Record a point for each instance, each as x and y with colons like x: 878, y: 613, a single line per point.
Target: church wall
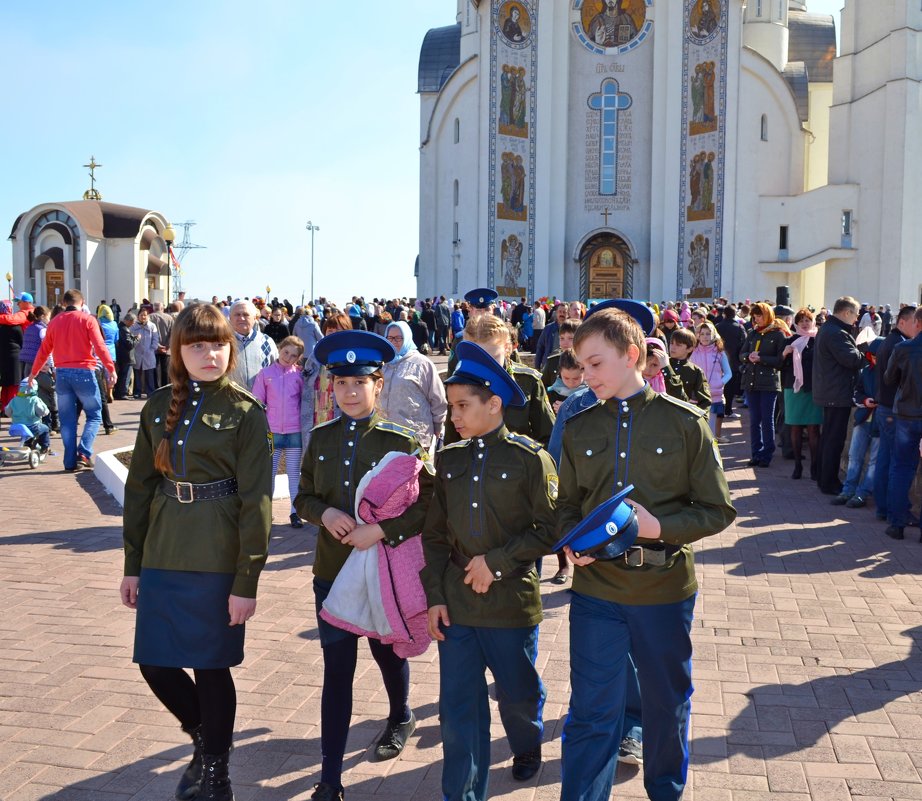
x: 629, y: 76
x: 817, y: 145
x: 442, y: 162
x: 764, y: 168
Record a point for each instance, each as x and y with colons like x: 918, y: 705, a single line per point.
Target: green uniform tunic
x: 494, y: 495
x: 223, y: 433
x: 694, y: 382
x: 535, y: 419
x: 665, y: 449
x: 339, y: 455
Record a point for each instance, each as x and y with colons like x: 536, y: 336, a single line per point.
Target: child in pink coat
x: 279, y: 387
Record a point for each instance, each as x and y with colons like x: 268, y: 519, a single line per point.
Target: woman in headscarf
x: 413, y: 393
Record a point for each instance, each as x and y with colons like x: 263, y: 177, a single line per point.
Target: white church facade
x: 662, y: 149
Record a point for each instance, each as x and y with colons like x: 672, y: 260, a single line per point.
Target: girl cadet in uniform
x: 642, y: 602
x: 339, y: 455
x: 491, y: 516
x: 198, y: 508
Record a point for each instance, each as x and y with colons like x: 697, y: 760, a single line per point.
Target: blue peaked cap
x: 481, y: 298
x: 606, y: 532
x: 639, y: 311
x: 477, y: 367
x: 354, y: 352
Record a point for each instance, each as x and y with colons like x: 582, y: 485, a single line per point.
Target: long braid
x: 180, y: 387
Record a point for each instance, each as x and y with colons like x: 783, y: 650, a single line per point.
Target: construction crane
x: 180, y: 249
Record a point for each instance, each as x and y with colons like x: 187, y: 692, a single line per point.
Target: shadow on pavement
x: 784, y: 719
x: 77, y: 540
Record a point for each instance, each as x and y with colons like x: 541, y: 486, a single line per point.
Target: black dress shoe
x: 840, y: 500
x: 526, y: 765
x: 395, y: 738
x: 327, y: 792
x: 894, y: 532
x: 752, y: 463
x: 295, y: 521
x: 798, y: 471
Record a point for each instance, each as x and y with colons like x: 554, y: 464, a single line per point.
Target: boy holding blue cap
x: 480, y: 578
x: 642, y: 601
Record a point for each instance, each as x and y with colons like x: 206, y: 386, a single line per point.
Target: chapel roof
x: 795, y: 73
x: 102, y: 220
x: 812, y: 40
x: 439, y: 56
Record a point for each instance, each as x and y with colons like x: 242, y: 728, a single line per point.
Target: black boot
x: 216, y: 784
x: 191, y: 780
x: 798, y: 469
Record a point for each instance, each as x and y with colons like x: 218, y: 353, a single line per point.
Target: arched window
x: 457, y: 192
x: 457, y: 130
x: 765, y: 127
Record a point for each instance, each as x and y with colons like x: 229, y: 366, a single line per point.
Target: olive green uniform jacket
x: 339, y: 455
x: 535, y: 419
x: 665, y: 449
x: 494, y: 495
x: 222, y: 433
x: 694, y: 382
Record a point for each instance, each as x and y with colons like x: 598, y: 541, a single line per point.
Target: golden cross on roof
x: 92, y: 193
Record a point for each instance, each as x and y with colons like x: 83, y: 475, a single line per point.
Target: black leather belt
x: 462, y: 561
x: 655, y: 555
x: 186, y: 492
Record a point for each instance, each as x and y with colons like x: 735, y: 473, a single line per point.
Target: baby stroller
x: 28, y: 452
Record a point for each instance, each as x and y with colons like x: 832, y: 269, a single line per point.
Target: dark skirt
x: 800, y: 410
x: 182, y: 621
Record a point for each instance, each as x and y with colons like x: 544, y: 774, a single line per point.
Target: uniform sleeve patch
x: 717, y: 455
x: 553, y: 485
x: 271, y: 442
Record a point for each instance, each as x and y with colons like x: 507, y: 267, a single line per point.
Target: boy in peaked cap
x: 639, y: 603
x: 491, y: 516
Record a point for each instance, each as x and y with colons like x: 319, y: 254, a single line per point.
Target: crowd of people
x: 604, y: 455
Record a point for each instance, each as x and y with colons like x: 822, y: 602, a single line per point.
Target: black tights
x: 210, y: 700
x: 797, y: 442
x: 339, y: 660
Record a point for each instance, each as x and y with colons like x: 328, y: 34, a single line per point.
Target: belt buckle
x: 633, y: 550
x: 182, y: 485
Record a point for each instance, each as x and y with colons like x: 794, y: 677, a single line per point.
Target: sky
x: 248, y: 119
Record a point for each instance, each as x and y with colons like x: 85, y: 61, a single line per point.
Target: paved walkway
x: 807, y: 681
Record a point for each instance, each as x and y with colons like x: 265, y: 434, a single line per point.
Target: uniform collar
x: 494, y: 437
x: 361, y: 425
x: 634, y: 403
x: 208, y: 387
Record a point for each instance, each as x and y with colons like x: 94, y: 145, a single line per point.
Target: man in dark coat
x: 836, y: 364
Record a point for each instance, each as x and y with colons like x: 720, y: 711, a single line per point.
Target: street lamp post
x: 169, y: 236
x: 311, y: 227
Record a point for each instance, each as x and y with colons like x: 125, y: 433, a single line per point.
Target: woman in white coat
x: 413, y: 393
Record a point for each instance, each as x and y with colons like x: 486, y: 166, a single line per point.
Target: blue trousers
x: 464, y: 709
x: 863, y: 444
x: 659, y: 639
x: 74, y: 384
x: 762, y: 424
x: 903, y: 464
x: 886, y: 425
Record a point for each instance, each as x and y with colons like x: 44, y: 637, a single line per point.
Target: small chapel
x: 105, y: 250
x: 661, y: 149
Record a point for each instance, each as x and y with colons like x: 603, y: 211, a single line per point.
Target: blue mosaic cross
x: 609, y: 101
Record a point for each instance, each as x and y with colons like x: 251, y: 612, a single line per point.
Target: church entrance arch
x: 606, y: 268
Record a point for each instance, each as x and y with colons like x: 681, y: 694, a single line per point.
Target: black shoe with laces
x: 526, y: 765
x: 395, y: 737
x: 190, y: 783
x: 327, y: 792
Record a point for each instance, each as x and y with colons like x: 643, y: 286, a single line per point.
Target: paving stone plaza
x: 807, y: 676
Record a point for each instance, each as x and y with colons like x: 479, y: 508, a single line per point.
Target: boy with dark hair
x: 642, y: 602
x: 565, y: 330
x: 569, y: 378
x: 693, y: 379
x: 491, y: 516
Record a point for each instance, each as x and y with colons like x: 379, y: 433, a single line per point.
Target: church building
x: 662, y: 149
x: 106, y: 250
